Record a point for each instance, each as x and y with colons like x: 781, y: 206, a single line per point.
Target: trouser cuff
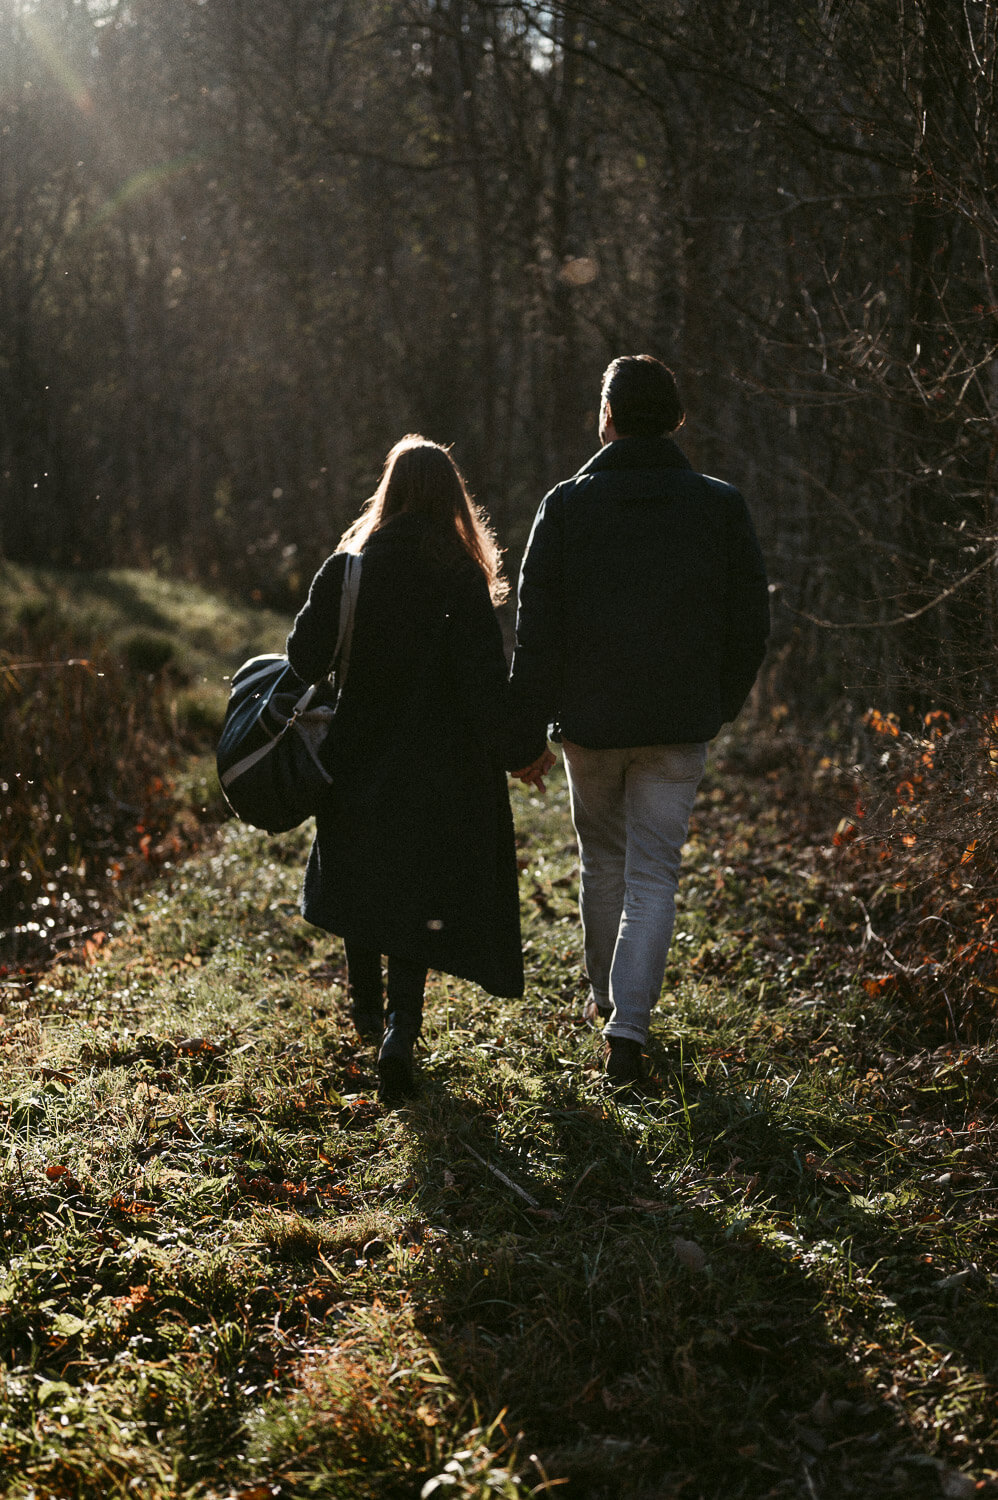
x: 622, y: 1029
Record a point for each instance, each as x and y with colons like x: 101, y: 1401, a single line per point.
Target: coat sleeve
x: 747, y: 613
x: 537, y: 658
x: 312, y: 640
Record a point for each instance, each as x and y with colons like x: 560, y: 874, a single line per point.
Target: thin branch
x: 904, y: 619
x: 507, y: 1181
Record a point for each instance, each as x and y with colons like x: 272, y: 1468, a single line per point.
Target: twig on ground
x: 507, y: 1181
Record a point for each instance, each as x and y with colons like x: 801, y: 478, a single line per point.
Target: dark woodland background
x: 244, y: 247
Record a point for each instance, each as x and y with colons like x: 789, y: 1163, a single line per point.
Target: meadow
x: 227, y: 1272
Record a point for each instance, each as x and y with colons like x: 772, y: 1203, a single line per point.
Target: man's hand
x: 533, y: 775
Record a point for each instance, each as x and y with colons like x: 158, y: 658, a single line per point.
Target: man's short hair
x: 641, y: 394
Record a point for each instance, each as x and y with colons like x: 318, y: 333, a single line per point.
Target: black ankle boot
x: 366, y: 992
x: 406, y: 981
x: 624, y: 1067
x: 395, y: 1072
x: 368, y: 1016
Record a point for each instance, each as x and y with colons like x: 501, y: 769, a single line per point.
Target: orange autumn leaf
x: 137, y: 1296
x: 56, y: 1172
x: 93, y: 945
x: 125, y: 1205
x: 882, y: 723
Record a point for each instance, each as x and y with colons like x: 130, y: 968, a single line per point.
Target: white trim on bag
x: 348, y: 605
x: 257, y: 672
x: 249, y: 761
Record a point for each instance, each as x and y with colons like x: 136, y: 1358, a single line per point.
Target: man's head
x: 639, y: 399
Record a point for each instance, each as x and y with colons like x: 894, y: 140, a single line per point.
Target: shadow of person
x: 599, y: 1272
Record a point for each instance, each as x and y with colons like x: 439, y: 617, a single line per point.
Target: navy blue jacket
x: 643, y: 605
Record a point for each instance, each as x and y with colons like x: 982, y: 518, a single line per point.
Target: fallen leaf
x: 68, y: 1325
x: 689, y: 1254
x: 821, y: 1412
x: 58, y: 1173
x: 123, y: 1205
x: 957, y: 1485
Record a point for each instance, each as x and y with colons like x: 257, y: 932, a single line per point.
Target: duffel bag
x: 268, y: 754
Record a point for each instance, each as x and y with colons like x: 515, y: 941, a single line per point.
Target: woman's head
x: 420, y: 478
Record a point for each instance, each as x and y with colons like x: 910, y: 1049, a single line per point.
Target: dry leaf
x: 123, y: 1205
x: 689, y: 1254
x: 821, y: 1413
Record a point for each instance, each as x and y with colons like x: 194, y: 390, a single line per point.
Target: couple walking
x: 641, y: 623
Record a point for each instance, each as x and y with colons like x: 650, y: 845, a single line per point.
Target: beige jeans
x: 631, y: 810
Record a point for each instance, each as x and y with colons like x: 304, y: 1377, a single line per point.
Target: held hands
x: 533, y: 775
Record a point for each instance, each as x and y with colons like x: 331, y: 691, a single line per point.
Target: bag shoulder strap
x: 348, y: 609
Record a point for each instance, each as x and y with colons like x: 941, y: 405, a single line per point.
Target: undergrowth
x: 109, y: 684
x: 918, y: 853
x: 227, y: 1271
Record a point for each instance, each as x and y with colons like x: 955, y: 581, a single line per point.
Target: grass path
x: 227, y: 1272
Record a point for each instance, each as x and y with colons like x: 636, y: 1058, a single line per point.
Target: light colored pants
x: 631, y: 810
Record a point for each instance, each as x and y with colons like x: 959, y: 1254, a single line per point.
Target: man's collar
x: 637, y: 453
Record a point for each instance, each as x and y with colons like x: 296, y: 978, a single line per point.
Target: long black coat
x: 414, y: 853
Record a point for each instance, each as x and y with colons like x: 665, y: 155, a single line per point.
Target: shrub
x: 146, y: 651
x: 86, y: 748
x: 921, y: 848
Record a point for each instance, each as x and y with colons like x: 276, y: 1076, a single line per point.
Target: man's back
x: 643, y: 602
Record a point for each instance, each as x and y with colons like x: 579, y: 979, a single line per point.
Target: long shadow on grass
x: 769, y: 1154
x: 648, y: 1344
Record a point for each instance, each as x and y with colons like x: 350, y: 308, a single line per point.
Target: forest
x: 243, y: 248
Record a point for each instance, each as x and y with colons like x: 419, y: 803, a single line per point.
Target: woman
x: 414, y: 856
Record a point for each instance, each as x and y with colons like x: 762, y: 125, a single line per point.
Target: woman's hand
x: 533, y: 775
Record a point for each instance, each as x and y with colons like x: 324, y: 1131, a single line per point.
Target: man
x: 642, y: 622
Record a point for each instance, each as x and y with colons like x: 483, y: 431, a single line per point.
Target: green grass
x: 227, y: 1271
x: 140, y: 618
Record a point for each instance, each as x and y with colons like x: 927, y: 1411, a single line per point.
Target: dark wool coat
x: 643, y: 609
x: 414, y: 853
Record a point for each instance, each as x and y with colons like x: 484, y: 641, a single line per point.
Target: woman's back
x: 426, y: 645
x: 414, y: 854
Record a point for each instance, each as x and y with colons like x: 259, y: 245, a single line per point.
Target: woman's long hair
x: 422, y: 479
